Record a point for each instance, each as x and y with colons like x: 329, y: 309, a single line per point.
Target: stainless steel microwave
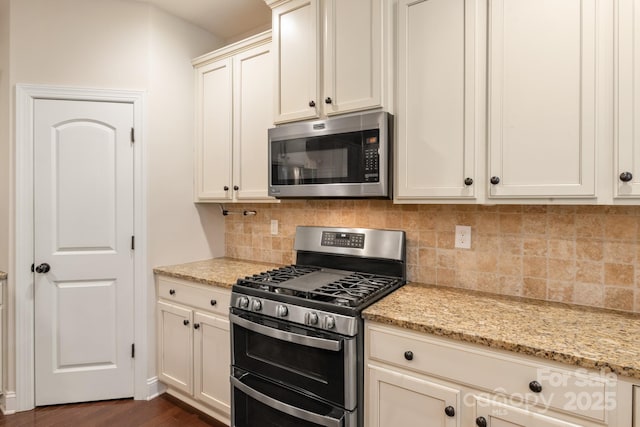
x: 340, y: 157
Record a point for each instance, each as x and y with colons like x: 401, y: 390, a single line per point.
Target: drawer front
x: 574, y: 391
x: 204, y: 297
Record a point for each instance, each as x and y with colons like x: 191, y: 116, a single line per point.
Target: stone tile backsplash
x: 578, y: 254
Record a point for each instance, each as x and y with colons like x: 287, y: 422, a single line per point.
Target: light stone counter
x: 581, y: 336
x: 3, y: 275
x: 221, y: 272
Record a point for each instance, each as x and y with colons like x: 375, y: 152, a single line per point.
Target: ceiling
x: 226, y: 19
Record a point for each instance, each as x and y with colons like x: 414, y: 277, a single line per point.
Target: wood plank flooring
x: 163, y: 411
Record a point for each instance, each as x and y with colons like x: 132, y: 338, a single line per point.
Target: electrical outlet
x: 274, y: 227
x: 463, y: 237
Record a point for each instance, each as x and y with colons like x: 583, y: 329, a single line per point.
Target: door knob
x: 43, y: 268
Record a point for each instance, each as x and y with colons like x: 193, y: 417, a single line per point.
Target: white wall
x: 119, y: 44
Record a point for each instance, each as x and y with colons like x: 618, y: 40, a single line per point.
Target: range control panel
x: 343, y: 240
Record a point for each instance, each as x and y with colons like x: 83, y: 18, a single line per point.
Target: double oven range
x: 297, y: 332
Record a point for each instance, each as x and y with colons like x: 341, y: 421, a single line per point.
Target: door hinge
x: 133, y: 243
x: 133, y: 351
x: 133, y: 135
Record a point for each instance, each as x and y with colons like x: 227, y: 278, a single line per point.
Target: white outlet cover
x: 463, y: 237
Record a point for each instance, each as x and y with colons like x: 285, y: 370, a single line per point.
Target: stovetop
x: 325, y: 285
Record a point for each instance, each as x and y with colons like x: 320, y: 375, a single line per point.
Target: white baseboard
x: 154, y: 388
x: 8, y: 403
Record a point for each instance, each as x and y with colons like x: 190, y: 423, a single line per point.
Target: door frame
x: 24, y: 337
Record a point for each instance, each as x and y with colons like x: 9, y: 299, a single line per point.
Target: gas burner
x: 265, y: 281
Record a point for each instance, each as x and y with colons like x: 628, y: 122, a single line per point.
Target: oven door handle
x: 332, y: 345
x: 284, y: 407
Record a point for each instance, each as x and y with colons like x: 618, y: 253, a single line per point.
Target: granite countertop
x: 221, y: 272
x: 587, y: 337
x: 3, y: 275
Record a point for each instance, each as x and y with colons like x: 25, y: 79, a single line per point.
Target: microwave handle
x: 285, y: 408
x: 332, y: 345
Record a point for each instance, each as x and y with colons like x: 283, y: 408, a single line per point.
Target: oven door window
x: 333, y: 159
x: 259, y: 402
x: 317, y: 371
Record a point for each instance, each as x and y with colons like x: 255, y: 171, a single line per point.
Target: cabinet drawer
x: 578, y: 391
x: 204, y: 297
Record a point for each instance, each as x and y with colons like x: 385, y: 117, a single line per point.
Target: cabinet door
x: 214, y: 115
x: 212, y: 360
x: 253, y: 115
x: 500, y: 415
x: 296, y: 55
x: 353, y: 55
x: 628, y: 99
x: 397, y: 399
x: 175, y: 352
x: 437, y: 89
x: 542, y: 98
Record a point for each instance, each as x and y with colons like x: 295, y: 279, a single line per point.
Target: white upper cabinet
x: 331, y: 57
x: 296, y: 49
x: 234, y: 96
x: 543, y: 100
x: 440, y: 45
x: 627, y: 136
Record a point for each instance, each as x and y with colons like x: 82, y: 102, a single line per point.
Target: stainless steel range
x: 297, y: 331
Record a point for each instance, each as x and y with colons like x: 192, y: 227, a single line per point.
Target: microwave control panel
x: 371, y: 159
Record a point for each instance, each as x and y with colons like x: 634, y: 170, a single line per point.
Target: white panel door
x: 83, y: 204
x: 627, y: 171
x: 296, y: 52
x: 253, y: 116
x: 542, y: 98
x: 353, y: 55
x: 396, y: 399
x: 437, y: 99
x: 212, y: 354
x: 214, y: 134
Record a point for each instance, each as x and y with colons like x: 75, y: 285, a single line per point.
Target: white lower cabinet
x: 194, y: 345
x: 492, y: 413
x: 415, y: 379
x: 400, y: 399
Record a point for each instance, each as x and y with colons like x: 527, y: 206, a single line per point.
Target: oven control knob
x: 329, y: 322
x: 311, y: 318
x: 243, y: 302
x: 282, y: 311
x: 256, y: 305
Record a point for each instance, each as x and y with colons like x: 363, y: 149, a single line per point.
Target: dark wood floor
x: 163, y: 411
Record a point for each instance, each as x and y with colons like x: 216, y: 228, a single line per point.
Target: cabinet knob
x: 535, y: 386
x: 481, y: 422
x: 213, y: 302
x: 236, y: 188
x: 328, y: 100
x: 626, y: 176
x: 196, y: 326
x: 172, y: 291
x: 450, y: 411
x: 495, y: 180
x: 185, y: 322
x: 408, y: 355
x: 312, y: 103
x: 225, y: 188
x: 468, y: 181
